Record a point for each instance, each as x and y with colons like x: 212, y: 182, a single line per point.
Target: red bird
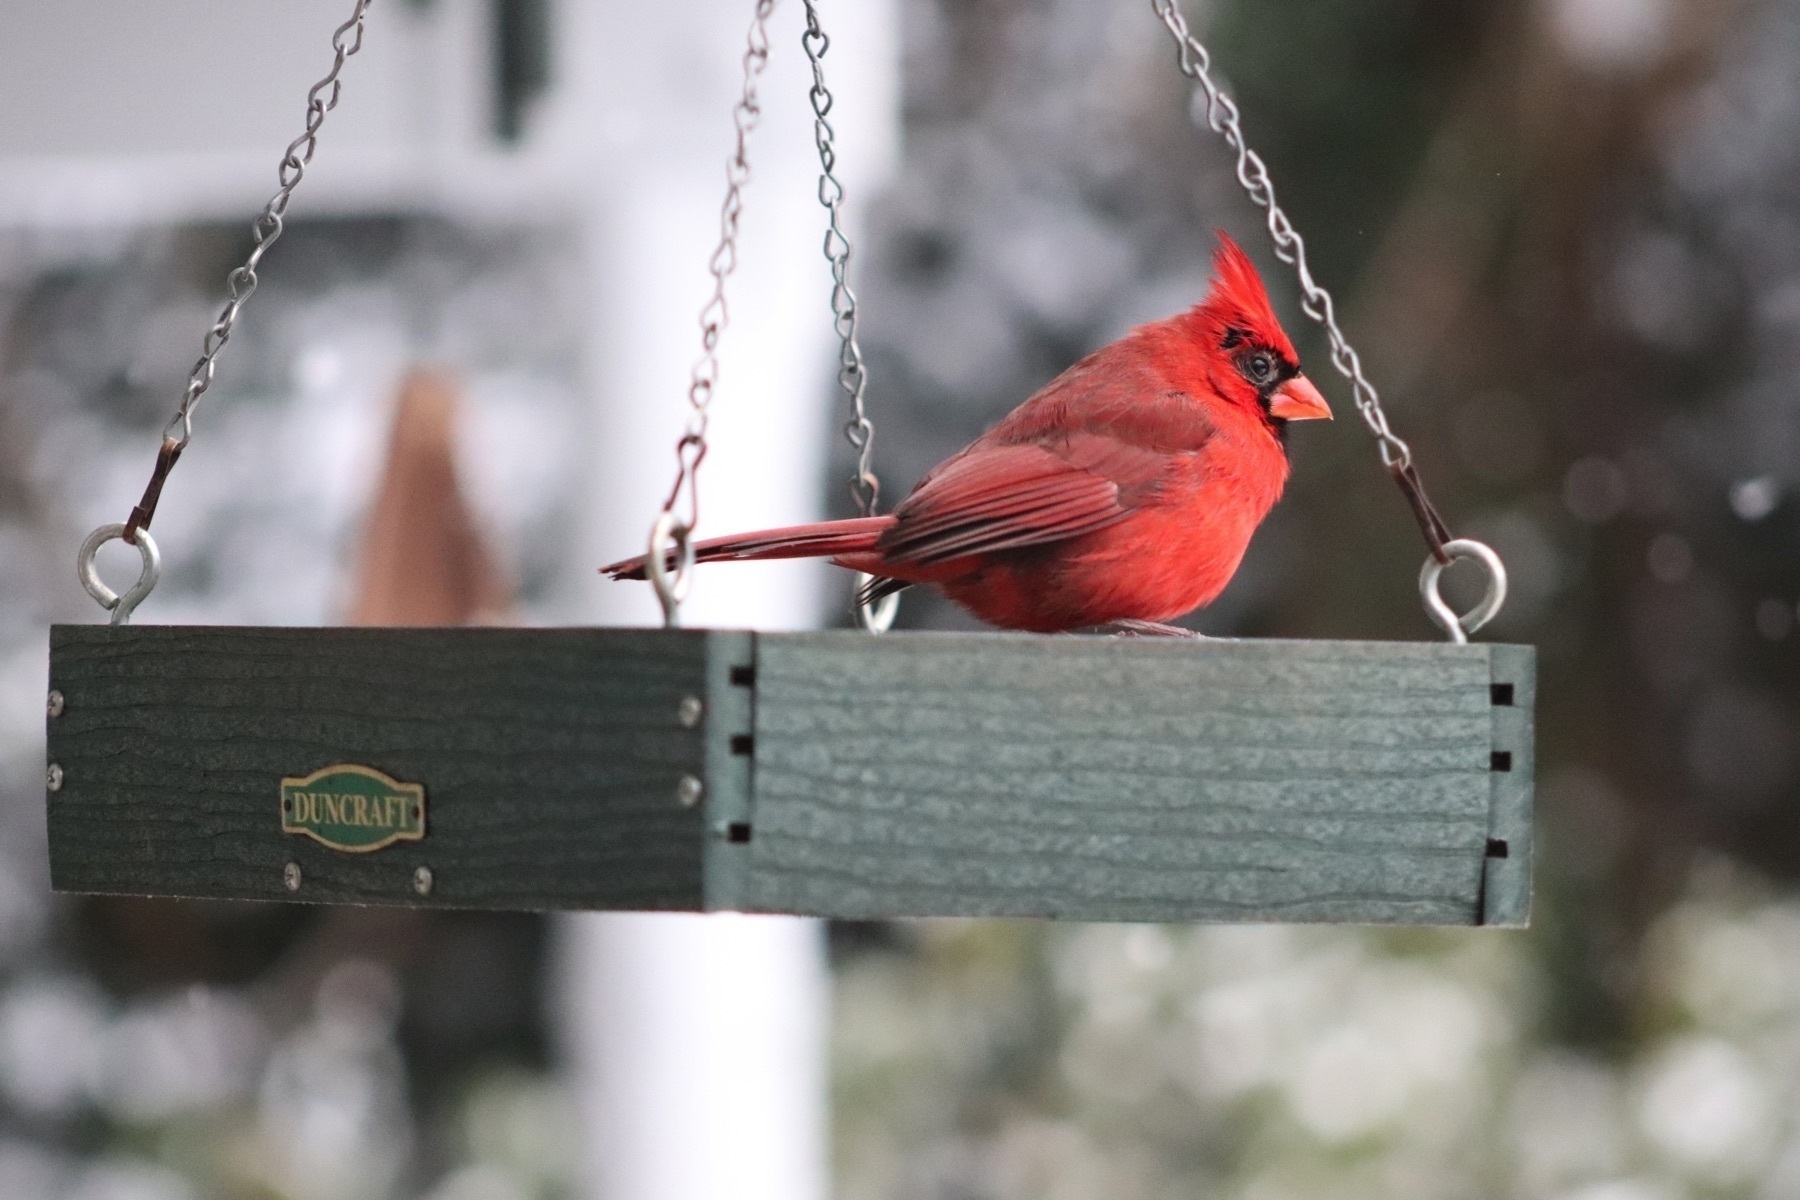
x: 1122, y: 494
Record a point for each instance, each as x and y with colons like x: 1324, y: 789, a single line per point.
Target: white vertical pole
x: 696, y: 1044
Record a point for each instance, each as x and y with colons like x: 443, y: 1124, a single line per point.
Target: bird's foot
x: 1130, y: 628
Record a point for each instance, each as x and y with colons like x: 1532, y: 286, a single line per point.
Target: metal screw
x: 55, y: 705
x: 53, y: 778
x: 689, y: 791
x: 290, y: 877
x: 422, y: 881
x: 690, y: 711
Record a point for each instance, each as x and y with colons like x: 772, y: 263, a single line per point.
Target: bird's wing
x: 999, y: 498
x: 1127, y: 399
x: 1094, y: 444
x: 995, y: 498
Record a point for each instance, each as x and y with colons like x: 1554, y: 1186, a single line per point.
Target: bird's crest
x: 1239, y: 303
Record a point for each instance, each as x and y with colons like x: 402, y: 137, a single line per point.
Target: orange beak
x: 1299, y: 400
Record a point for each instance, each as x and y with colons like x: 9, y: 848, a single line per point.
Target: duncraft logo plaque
x: 352, y: 808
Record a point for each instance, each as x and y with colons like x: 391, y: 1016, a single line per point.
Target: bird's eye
x: 1260, y: 368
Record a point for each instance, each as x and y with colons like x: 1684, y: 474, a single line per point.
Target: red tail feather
x: 826, y: 539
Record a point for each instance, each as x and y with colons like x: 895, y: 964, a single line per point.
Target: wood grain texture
x: 1108, y: 779
x: 549, y: 758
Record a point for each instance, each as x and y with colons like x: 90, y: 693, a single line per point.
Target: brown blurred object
x: 423, y: 561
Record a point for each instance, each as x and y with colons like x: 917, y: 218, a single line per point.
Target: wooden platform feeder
x: 834, y: 774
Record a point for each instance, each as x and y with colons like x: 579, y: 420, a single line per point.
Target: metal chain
x: 670, y: 535
x: 1221, y: 114
x: 267, y: 228
x: 323, y: 96
x: 1290, y: 247
x: 865, y: 486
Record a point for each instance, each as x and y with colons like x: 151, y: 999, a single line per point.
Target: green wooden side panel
x: 840, y: 774
x: 550, y: 760
x: 1111, y: 779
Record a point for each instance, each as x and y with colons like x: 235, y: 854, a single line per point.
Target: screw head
x: 690, y: 712
x: 290, y: 877
x: 689, y: 791
x: 53, y: 778
x: 422, y: 880
x: 54, y: 706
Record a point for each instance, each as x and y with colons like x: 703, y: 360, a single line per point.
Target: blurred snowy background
x: 1566, y: 237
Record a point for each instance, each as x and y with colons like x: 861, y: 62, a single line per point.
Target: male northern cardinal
x: 1122, y: 494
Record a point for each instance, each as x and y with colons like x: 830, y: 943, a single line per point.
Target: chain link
x: 321, y: 99
x: 670, y: 535
x: 853, y: 378
x: 1221, y: 114
x: 865, y: 486
x: 266, y: 229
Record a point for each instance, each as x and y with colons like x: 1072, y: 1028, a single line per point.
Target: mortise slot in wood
x: 1501, y: 760
x: 1501, y: 694
x: 743, y: 743
x: 743, y: 676
x: 738, y: 832
x: 1497, y: 848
